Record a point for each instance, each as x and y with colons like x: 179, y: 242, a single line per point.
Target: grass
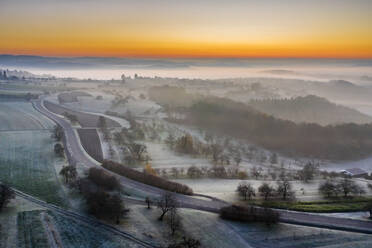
x: 327, y: 206
x: 18, y: 115
x: 27, y: 163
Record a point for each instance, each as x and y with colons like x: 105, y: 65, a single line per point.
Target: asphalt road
x: 77, y: 154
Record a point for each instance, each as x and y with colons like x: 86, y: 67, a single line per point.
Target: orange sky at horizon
x: 208, y: 29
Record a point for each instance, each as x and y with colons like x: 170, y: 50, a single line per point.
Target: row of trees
x: 345, y: 187
x: 250, y: 214
x: 265, y: 190
x: 147, y: 178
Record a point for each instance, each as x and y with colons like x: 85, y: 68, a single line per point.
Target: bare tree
x: 285, y: 189
x: 174, y: 220
x: 328, y: 188
x: 216, y: 150
x: 266, y: 190
x: 137, y: 150
x: 256, y: 172
x: 348, y: 186
x: 238, y: 158
x: 148, y: 202
x: 166, y: 203
x: 246, y: 190
x: 308, y: 171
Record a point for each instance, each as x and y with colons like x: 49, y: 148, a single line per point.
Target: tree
x: 285, y: 189
x: 274, y: 158
x: 348, y: 186
x: 104, y: 205
x: 102, y: 122
x: 194, y: 172
x: 256, y: 172
x: 175, y: 172
x: 185, y: 144
x: 149, y: 170
x: 237, y: 158
x: 166, y: 203
x: 174, y: 220
x: 6, y: 194
x: 102, y: 179
x: 266, y: 190
x: 137, y: 150
x: 57, y: 133
x: 216, y: 150
x: 148, y: 202
x: 246, y: 190
x: 170, y: 141
x: 59, y: 150
x: 308, y: 171
x: 328, y: 188
x: 69, y: 173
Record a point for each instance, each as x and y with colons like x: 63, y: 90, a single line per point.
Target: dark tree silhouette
x: 166, y: 203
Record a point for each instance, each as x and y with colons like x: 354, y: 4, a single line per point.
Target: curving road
x: 77, y: 155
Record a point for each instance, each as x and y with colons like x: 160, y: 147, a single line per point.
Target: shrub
x: 102, y: 179
x: 249, y: 214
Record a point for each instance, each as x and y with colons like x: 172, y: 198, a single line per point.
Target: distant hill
x: 6, y: 73
x: 310, y: 109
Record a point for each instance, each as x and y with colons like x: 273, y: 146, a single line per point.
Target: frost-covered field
x: 225, y: 188
x: 285, y: 235
x: 163, y: 158
x: 27, y: 162
x: 22, y: 116
x: 215, y: 232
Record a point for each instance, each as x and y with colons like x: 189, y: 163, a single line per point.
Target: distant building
x: 355, y: 172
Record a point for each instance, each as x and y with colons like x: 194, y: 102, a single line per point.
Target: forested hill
x: 335, y: 142
x: 310, y: 109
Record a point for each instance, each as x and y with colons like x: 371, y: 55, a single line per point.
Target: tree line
x: 146, y: 178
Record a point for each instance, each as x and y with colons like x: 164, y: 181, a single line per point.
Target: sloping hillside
x: 310, y: 109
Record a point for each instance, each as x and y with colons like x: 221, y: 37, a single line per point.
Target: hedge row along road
x: 77, y: 155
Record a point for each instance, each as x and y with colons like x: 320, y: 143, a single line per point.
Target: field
x: 19, y: 115
x: 285, y: 236
x: 90, y: 141
x: 84, y: 119
x: 31, y: 232
x: 215, y: 232
x: 76, y: 234
x: 71, y: 96
x: 27, y: 162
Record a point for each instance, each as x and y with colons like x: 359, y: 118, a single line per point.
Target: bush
x: 249, y: 214
x: 102, y: 179
x: 146, y: 178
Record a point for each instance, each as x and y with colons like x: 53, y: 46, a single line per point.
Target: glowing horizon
x: 192, y: 29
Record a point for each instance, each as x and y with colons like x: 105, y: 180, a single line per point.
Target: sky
x: 187, y: 29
